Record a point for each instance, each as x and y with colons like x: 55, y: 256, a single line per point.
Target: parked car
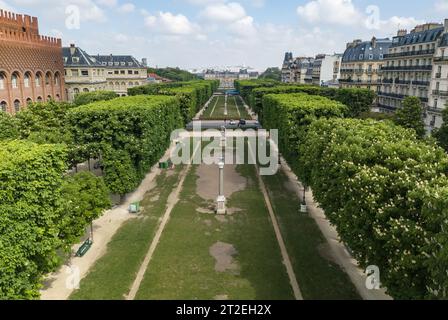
x: 232, y: 122
x: 242, y: 122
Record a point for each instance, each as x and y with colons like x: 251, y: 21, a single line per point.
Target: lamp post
x: 221, y: 200
x: 303, y: 205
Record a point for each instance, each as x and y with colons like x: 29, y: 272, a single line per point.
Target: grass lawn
x: 235, y: 109
x: 183, y: 268
x: 318, y: 277
x: 112, y: 275
x: 243, y: 111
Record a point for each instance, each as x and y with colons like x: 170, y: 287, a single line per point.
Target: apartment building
x: 361, y: 63
x: 408, y: 67
x: 326, y: 69
x: 438, y: 91
x: 297, y: 70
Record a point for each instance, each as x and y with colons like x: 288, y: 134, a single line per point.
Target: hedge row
x: 292, y: 113
x: 41, y: 213
x: 386, y: 192
x: 130, y: 134
x: 245, y: 87
x: 89, y: 97
x: 192, y: 95
x: 357, y: 100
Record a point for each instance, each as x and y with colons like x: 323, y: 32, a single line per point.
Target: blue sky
x: 203, y: 33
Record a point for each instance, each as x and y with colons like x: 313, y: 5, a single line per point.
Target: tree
x: 441, y: 134
x: 272, y: 73
x: 410, y: 116
x: 84, y: 198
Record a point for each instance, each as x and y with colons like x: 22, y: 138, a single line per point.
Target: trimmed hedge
x: 137, y: 128
x: 31, y: 176
x: 192, y: 95
x: 385, y: 191
x: 357, y: 100
x: 245, y: 87
x: 292, y: 113
x: 89, y: 97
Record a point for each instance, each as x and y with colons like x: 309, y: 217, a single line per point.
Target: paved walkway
x: 59, y: 285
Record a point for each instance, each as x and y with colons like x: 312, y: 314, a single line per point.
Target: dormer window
x: 123, y: 64
x: 111, y: 64
x: 130, y: 64
x: 361, y: 56
x: 75, y: 60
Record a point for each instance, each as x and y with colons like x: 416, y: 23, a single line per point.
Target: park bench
x: 84, y: 248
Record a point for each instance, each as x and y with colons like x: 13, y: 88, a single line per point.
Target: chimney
x: 374, y: 42
x: 145, y: 62
x: 72, y: 48
x: 402, y: 32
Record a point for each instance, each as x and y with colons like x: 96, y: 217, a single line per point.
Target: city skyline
x: 199, y: 33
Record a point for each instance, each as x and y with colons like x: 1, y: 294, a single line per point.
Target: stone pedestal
x: 221, y: 200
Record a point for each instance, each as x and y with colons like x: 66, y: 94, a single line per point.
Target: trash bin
x: 134, y: 207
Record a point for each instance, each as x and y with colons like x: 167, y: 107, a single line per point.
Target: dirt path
x: 58, y: 285
x: 342, y: 256
x: 171, y: 202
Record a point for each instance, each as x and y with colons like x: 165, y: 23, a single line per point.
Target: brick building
x: 31, y: 65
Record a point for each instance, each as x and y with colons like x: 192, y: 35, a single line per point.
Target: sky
x: 205, y: 33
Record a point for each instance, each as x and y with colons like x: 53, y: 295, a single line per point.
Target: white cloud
x: 127, y: 8
x: 224, y: 12
x: 107, y: 3
x: 441, y: 5
x: 171, y: 24
x: 330, y: 11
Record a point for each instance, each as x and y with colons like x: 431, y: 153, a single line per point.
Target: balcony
x: 409, y: 53
x: 399, y: 96
x: 438, y: 75
x: 407, y: 68
x: 387, y: 81
x: 440, y: 59
x: 440, y: 93
x: 434, y: 110
x: 398, y: 81
x: 421, y: 83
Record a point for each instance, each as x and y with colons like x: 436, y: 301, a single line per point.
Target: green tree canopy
x: 411, y: 116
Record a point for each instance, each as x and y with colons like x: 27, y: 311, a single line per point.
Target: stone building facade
x: 31, y: 65
x: 362, y: 62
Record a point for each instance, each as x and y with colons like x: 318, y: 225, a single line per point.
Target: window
x: 26, y: 80
x: 135, y: 72
x: 47, y: 79
x: 130, y: 64
x: 129, y: 71
x: 104, y: 63
x: 85, y: 90
x: 56, y: 79
x: 17, y: 105
x: 111, y: 64
x: 38, y: 80
x: 116, y: 72
x: 3, y: 106
x: 381, y: 56
x: 39, y: 99
x: 2, y: 82
x: 361, y: 56
x: 49, y: 98
x: 14, y: 81
x: 29, y: 101
x: 75, y: 60
x: 117, y: 63
x: 76, y: 90
x: 123, y: 64
x: 370, y: 56
x: 85, y: 73
x: 122, y: 72
x: 75, y: 72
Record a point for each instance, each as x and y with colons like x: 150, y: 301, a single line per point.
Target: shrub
x: 373, y: 181
x: 245, y: 87
x: 292, y: 113
x: 30, y: 211
x: 357, y: 100
x: 9, y: 127
x: 139, y: 126
x: 89, y: 97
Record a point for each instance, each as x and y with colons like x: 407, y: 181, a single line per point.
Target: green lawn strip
x: 243, y: 110
x: 112, y: 275
x: 318, y: 276
x: 209, y: 110
x: 183, y: 268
